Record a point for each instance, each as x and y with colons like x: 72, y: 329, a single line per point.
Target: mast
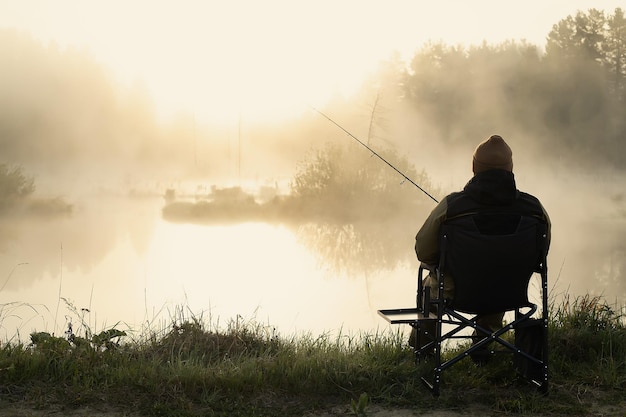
x: 239, y: 148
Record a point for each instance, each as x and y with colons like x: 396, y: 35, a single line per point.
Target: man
x: 493, y: 185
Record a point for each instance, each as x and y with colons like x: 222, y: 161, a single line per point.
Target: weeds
x: 589, y: 335
x: 591, y: 313
x: 192, y: 367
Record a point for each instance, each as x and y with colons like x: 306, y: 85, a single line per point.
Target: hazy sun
x: 222, y: 61
x: 267, y: 60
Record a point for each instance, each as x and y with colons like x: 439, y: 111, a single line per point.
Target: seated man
x: 493, y: 185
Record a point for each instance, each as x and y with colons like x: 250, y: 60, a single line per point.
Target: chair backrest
x: 491, y: 258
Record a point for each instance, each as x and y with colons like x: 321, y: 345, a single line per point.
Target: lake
x: 115, y: 262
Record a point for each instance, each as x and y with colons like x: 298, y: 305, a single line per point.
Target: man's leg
x: 493, y: 322
x: 427, y: 328
x: 426, y: 335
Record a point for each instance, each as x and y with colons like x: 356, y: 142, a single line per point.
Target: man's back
x: 491, y: 257
x: 488, y: 190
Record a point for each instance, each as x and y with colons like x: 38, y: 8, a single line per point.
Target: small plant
x: 105, y: 339
x: 358, y: 407
x: 51, y: 345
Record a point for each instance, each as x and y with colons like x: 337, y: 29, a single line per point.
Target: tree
x: 579, y: 37
x: 595, y: 38
x: 615, y: 53
x: 357, y: 209
x: 14, y: 186
x: 437, y: 89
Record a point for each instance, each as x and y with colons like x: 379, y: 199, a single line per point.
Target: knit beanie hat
x: 492, y: 153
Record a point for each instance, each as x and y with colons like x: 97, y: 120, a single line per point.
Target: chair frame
x: 443, y: 312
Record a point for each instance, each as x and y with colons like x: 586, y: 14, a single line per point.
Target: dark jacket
x: 489, y: 190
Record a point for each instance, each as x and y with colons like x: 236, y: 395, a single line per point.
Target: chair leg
x: 422, y: 339
x: 434, y: 385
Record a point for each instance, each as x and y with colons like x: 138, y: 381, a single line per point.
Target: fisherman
x: 492, y: 185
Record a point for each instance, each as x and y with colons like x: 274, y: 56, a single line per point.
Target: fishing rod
x: 375, y: 154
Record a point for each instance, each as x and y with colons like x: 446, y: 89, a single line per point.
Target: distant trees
x: 570, y: 98
x: 468, y: 92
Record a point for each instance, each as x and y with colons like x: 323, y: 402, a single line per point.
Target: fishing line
x: 375, y: 154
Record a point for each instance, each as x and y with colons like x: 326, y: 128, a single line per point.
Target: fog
x: 102, y: 161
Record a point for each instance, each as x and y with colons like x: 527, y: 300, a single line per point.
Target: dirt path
x: 29, y: 411
x: 381, y: 412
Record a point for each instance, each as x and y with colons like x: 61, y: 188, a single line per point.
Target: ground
x: 22, y: 411
x: 29, y: 410
x: 17, y: 411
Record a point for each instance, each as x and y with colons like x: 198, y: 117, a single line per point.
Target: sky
x: 269, y: 59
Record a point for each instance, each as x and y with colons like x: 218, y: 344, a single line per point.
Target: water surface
x: 116, y: 262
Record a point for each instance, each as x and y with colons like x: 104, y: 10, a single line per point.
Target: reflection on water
x: 115, y: 262
x: 359, y: 248
x: 348, y: 234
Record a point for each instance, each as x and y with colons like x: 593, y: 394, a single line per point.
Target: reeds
x: 193, y: 367
x: 588, y: 336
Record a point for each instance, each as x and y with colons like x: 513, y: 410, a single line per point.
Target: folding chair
x: 491, y: 258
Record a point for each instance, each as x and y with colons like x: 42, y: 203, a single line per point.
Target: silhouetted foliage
x: 14, y: 186
x: 348, y: 178
x: 360, y: 206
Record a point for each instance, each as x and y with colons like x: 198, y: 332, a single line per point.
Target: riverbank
x: 190, y: 370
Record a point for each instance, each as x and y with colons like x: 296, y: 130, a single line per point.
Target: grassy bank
x: 245, y: 369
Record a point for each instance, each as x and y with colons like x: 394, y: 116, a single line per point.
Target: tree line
x: 570, y: 96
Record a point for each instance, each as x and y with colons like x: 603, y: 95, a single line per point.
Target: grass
x: 192, y: 368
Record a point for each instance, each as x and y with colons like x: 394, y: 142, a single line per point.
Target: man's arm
x: 427, y: 239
